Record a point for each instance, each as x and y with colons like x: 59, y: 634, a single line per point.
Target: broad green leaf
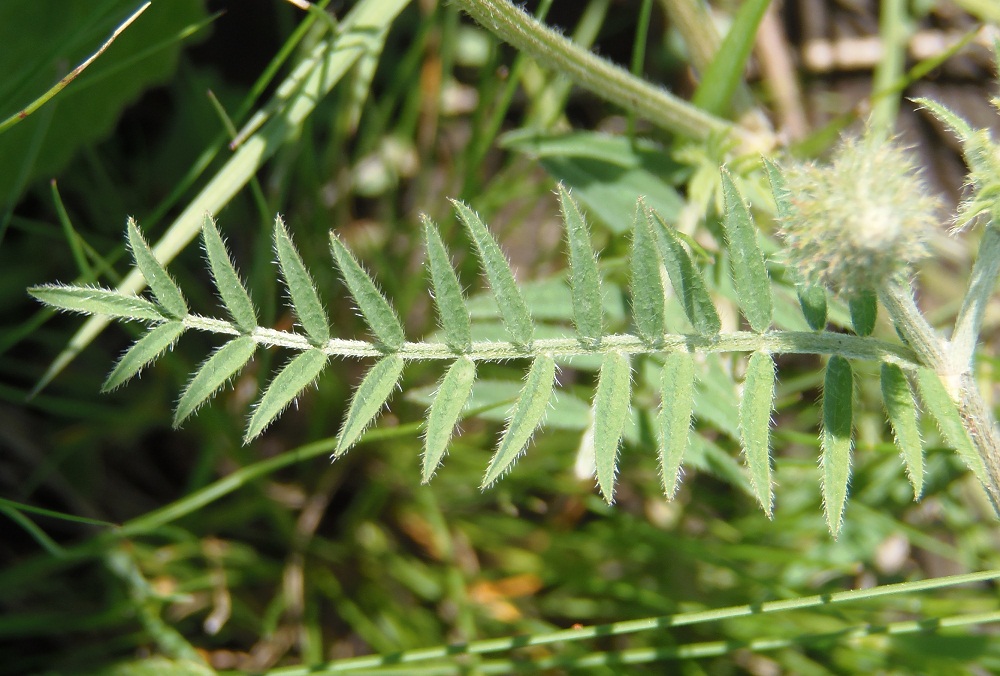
x: 812, y: 300
x: 755, y: 426
x: 374, y: 307
x: 689, y: 285
x: 213, y: 373
x: 370, y: 397
x: 864, y: 311
x: 164, y: 289
x: 838, y: 420
x: 527, y: 415
x: 611, y: 410
x: 234, y: 295
x: 295, y: 376
x: 305, y: 299
x: 448, y: 296
x: 779, y: 189
x: 949, y: 420
x: 144, y: 351
x: 452, y: 395
x: 753, y: 288
x: 674, y: 421
x: 902, y: 413
x: 646, y: 283
x: 585, y: 280
x: 93, y: 300
x: 508, y: 297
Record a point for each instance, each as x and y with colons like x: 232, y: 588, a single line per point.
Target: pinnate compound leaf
x: 753, y: 288
x: 215, y: 372
x: 448, y: 296
x: 864, y: 311
x: 92, y: 300
x: 949, y: 420
x: 374, y: 307
x: 527, y: 415
x: 585, y: 280
x: 689, y: 285
x: 755, y: 426
x: 611, y: 410
x: 647, y: 285
x: 674, y: 421
x: 452, y: 395
x: 295, y: 376
x: 812, y: 300
x: 234, y: 295
x: 370, y: 397
x: 305, y: 299
x: 838, y: 420
x: 144, y: 351
x: 508, y: 296
x: 164, y: 289
x: 902, y: 413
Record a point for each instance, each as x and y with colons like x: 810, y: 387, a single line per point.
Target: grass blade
x: 374, y: 307
x: 585, y: 280
x: 674, y: 421
x: 305, y: 299
x: 448, y: 298
x: 949, y: 420
x: 300, y: 372
x: 688, y: 283
x: 526, y: 416
x: 213, y: 373
x: 450, y: 399
x: 611, y: 409
x: 370, y: 397
x: 647, y: 285
x: 753, y: 288
x: 145, y: 350
x: 755, y: 426
x: 94, y: 300
x: 234, y: 295
x: 164, y: 289
x: 902, y: 413
x: 513, y: 309
x: 864, y: 312
x: 838, y: 420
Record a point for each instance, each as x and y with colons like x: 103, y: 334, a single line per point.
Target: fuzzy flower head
x: 859, y: 221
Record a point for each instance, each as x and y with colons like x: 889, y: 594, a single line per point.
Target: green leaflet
x: 689, y: 285
x: 956, y: 123
x: 779, y: 189
x: 611, y: 410
x: 753, y: 288
x: 213, y: 373
x: 377, y: 312
x: 902, y: 413
x: 295, y: 376
x: 812, y: 300
x: 864, y: 311
x: 368, y: 400
x: 234, y: 295
x: 513, y: 309
x: 949, y: 420
x: 647, y: 285
x: 450, y: 399
x: 144, y: 351
x: 526, y: 416
x: 755, y: 426
x: 305, y: 300
x: 94, y: 300
x: 674, y: 421
x: 448, y: 298
x: 163, y: 287
x: 585, y: 280
x: 838, y: 419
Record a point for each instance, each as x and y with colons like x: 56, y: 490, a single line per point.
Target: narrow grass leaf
x: 838, y: 420
x: 527, y: 415
x: 864, y: 311
x: 92, y: 300
x: 674, y: 421
x: 291, y: 380
x: 647, y: 285
x: 508, y: 296
x: 213, y: 373
x: 949, y: 420
x: 812, y: 300
x: 779, y: 189
x: 305, y: 299
x: 145, y: 350
x: 164, y: 289
x: 374, y: 307
x: 585, y: 280
x: 612, y: 403
x: 753, y: 288
x: 902, y: 413
x: 688, y: 283
x: 450, y: 399
x: 448, y: 298
x: 755, y: 426
x: 370, y: 397
x: 234, y: 295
